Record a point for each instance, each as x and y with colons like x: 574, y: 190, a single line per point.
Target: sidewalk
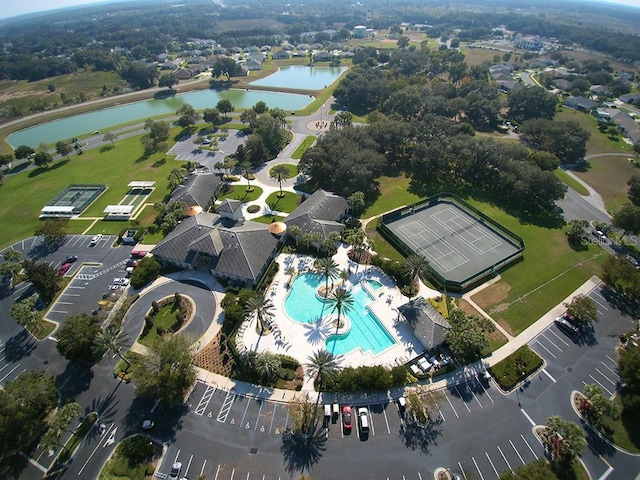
x: 285, y: 396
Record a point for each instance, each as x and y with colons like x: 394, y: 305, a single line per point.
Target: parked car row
x: 332, y: 412
x: 67, y: 264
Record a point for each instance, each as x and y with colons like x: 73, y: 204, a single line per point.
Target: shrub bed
x: 516, y: 367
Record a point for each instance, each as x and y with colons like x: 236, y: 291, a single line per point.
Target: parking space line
x: 204, y: 464
x: 557, y: 336
x: 526, y: 415
x: 605, y: 388
x: 204, y: 401
x: 177, y: 455
x: 551, y: 342
x: 463, y: 402
x: 259, y: 412
x: 475, y: 396
x: 439, y: 411
x: 525, y: 441
x: 548, y: 375
x: 612, y: 360
x: 217, y: 472
x: 609, y: 368
x: 273, y: 417
x: 10, y: 372
x: 474, y: 462
x: 504, y: 458
x: 601, y: 304
x: 538, y: 342
x: 373, y: 430
x: 386, y: 420
x: 517, y: 452
x: 186, y: 470
x: 492, y: 465
x: 245, y: 412
x: 451, y: 404
x: 462, y: 470
x: 486, y: 391
x: 612, y: 382
x: 226, y: 406
x: 233, y: 472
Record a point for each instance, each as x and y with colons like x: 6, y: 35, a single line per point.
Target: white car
x: 121, y: 281
x: 94, y: 240
x: 176, y: 468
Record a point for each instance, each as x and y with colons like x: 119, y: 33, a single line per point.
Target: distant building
x: 359, y: 31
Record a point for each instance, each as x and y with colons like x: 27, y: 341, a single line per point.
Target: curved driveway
x: 202, y: 296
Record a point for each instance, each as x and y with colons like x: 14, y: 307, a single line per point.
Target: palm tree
x: 279, y: 173
x: 261, y: 307
x: 112, y: 338
x: 323, y: 365
x: 295, y: 231
x: 328, y: 269
x: 357, y: 239
x: 330, y: 242
x: 290, y: 272
x: 267, y: 365
x: 246, y: 170
x: 417, y: 265
x: 342, y: 301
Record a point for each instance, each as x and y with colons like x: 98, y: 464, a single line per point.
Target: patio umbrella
x: 277, y: 228
x: 193, y: 210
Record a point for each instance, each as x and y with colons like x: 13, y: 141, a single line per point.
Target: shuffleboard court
x: 461, y: 246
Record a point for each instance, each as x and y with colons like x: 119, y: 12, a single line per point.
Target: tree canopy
x: 44, y: 278
x: 77, y: 337
x: 24, y: 405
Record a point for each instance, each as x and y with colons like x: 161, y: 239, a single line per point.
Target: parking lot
x: 91, y: 275
x: 215, y: 411
x: 186, y: 150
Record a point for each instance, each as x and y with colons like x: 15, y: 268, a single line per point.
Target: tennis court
x: 135, y: 197
x: 72, y: 201
x: 459, y: 245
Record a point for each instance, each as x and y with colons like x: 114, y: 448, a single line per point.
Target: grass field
x: 550, y: 270
x: 570, y: 181
x: 239, y: 192
x: 598, y: 142
x: 306, y: 143
x: 293, y: 170
x: 288, y: 203
x: 114, y: 167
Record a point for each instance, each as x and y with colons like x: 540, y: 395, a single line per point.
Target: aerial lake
x: 302, y: 77
x: 77, y: 125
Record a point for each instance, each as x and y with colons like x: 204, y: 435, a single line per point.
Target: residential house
x: 323, y: 57
x: 580, y: 103
x: 562, y: 84
x: 321, y: 213
x: 281, y: 55
x: 630, y: 98
x: 184, y: 74
x: 429, y: 327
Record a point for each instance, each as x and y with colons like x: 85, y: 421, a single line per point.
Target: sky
x: 11, y: 8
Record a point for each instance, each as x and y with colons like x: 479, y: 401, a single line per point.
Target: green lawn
x: 625, y: 432
x: 306, y: 143
x: 165, y: 319
x: 293, y: 170
x: 268, y: 219
x: 515, y: 368
x: 114, y: 167
x: 598, y: 142
x: 77, y: 437
x: 551, y: 270
x: 288, y: 203
x: 393, y: 194
x: 570, y: 181
x: 239, y: 192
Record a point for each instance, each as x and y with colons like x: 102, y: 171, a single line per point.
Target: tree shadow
x: 421, y: 437
x: 627, y: 305
x: 164, y: 94
x: 596, y: 443
x: 167, y: 420
x: 52, y: 166
x: 107, y: 148
x: 19, y: 346
x: 82, y: 375
x: 302, y: 451
x: 217, y: 84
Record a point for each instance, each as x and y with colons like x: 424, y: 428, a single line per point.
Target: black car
x: 568, y: 326
x: 71, y: 259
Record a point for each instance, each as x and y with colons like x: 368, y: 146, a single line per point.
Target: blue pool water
x: 374, y: 284
x: 303, y: 306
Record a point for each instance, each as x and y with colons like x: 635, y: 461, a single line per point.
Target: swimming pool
x: 366, y: 332
x: 374, y: 284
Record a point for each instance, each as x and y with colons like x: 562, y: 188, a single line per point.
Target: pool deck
x: 300, y: 340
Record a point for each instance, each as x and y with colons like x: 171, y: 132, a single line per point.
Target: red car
x: 347, y: 421
x: 64, y: 269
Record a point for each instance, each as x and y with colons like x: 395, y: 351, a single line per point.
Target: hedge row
x: 516, y: 367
